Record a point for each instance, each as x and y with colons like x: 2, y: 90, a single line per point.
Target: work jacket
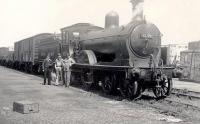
x: 47, y: 63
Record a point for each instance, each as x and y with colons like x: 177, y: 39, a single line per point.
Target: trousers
x: 67, y: 76
x: 47, y: 75
x: 58, y: 74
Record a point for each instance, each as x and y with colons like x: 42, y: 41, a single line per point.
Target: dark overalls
x: 47, y: 64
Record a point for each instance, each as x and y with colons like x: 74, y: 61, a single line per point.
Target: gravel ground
x: 59, y: 105
x: 174, y: 106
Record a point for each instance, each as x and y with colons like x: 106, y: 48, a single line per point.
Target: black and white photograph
x: 99, y: 62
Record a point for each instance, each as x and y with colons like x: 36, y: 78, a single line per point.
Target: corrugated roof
x: 37, y: 35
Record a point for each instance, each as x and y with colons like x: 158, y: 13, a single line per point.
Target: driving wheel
x: 108, y: 84
x: 132, y: 89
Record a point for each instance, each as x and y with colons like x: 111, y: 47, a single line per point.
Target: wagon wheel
x: 108, y: 84
x: 164, y: 89
x: 132, y: 90
x: 86, y: 81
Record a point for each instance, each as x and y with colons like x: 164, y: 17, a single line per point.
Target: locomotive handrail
x: 117, y: 67
x: 157, y: 68
x: 102, y: 66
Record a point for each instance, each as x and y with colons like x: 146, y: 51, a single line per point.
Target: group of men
x: 62, y: 67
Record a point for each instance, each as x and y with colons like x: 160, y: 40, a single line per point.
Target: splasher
x: 137, y: 9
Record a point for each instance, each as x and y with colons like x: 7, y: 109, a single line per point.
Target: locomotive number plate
x: 146, y: 36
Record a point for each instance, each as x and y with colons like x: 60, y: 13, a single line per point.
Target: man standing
x: 46, y: 66
x: 58, y: 67
x: 67, y: 70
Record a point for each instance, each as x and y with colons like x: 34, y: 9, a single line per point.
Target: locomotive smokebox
x: 112, y: 20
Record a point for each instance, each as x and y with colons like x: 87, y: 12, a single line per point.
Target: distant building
x: 190, y: 61
x: 194, y: 45
x: 171, y: 53
x: 4, y: 51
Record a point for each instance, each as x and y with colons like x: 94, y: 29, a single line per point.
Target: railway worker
x: 46, y: 66
x: 67, y: 70
x: 58, y: 67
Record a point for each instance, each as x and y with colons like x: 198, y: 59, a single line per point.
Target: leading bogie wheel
x: 164, y: 89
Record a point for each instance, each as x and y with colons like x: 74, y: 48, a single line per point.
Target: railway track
x: 179, y: 100
x: 185, y: 105
x: 185, y: 93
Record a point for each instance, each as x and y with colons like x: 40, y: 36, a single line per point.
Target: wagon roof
x: 35, y: 36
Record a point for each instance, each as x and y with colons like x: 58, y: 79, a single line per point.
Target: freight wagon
x: 48, y: 46
x: 26, y: 52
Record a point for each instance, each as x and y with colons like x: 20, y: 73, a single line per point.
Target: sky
x: 178, y: 20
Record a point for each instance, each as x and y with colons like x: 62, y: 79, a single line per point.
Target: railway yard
x: 90, y: 74
x: 59, y: 105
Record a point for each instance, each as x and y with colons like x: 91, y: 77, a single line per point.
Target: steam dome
x: 112, y: 20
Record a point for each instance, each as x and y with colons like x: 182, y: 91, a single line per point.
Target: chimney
x: 137, y: 9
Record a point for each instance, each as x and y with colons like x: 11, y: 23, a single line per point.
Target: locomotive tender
x: 125, y: 59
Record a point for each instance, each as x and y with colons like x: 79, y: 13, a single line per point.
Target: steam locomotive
x: 125, y: 59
